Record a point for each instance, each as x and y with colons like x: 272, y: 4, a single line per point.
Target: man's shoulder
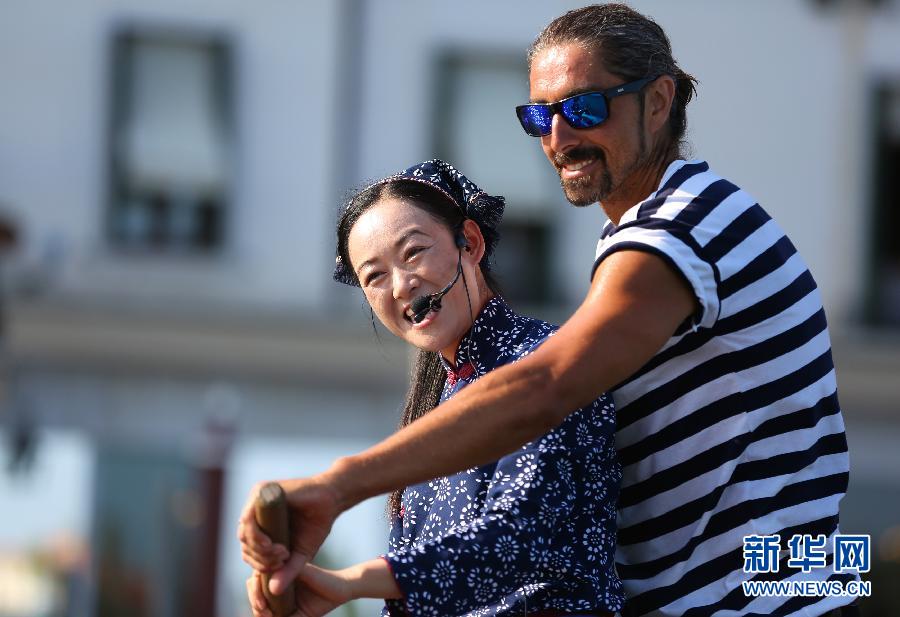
x: 684, y: 183
x: 688, y: 193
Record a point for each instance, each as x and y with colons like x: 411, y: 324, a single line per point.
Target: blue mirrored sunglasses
x: 581, y: 111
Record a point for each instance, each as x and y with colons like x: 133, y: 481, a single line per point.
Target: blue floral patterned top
x: 533, y: 531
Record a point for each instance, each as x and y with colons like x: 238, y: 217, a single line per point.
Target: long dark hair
x: 426, y: 380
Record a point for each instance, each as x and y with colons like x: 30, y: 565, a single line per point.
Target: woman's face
x: 401, y: 252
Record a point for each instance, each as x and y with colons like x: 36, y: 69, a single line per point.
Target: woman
x: 532, y: 533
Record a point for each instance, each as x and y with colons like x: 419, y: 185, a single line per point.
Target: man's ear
x: 659, y: 96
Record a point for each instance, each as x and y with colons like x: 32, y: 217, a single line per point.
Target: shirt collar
x: 479, y: 348
x: 632, y: 213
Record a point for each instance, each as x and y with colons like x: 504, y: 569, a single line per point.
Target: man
x: 701, y: 320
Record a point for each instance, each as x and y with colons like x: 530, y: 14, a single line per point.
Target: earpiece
x: 461, y: 241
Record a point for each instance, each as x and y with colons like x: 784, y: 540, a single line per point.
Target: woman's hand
x: 258, y: 605
x: 319, y: 592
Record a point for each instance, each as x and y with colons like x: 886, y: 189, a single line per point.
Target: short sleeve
x: 674, y: 245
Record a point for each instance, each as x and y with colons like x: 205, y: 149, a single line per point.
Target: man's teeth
x: 581, y: 165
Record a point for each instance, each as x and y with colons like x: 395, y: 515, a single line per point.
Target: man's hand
x: 313, y: 507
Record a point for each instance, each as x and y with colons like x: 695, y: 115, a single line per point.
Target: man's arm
x: 635, y: 303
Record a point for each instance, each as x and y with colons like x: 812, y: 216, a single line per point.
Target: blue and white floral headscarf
x: 486, y: 210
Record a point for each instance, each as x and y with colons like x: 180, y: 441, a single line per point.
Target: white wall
x: 781, y: 111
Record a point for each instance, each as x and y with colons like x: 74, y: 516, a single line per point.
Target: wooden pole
x: 272, y: 517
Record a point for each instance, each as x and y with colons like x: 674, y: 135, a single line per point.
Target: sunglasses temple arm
x: 634, y: 86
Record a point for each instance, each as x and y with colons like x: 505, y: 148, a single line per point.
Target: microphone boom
x: 423, y: 305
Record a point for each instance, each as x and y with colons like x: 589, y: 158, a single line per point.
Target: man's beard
x: 597, y: 186
x: 588, y: 189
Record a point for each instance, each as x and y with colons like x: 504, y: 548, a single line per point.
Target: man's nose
x: 562, y: 136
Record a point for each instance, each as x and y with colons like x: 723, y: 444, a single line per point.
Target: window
x: 884, y: 282
x: 477, y: 131
x: 169, y: 142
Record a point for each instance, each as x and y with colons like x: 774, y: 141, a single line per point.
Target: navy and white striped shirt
x: 734, y: 427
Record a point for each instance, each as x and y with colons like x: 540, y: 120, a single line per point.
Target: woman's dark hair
x: 631, y: 46
x: 426, y: 382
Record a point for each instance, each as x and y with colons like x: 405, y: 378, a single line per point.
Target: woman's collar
x: 475, y: 348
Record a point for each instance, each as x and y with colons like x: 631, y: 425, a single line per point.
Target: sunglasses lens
x: 586, y: 110
x: 535, y: 119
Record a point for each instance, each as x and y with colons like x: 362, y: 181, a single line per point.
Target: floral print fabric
x: 532, y: 531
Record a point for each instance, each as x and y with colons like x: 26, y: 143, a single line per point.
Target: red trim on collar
x: 464, y: 372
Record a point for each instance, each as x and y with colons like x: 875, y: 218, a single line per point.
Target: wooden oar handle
x: 272, y: 517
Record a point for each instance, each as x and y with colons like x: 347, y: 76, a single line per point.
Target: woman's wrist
x: 372, y: 579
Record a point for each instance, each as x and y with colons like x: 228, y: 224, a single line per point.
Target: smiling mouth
x: 575, y: 167
x: 424, y: 322
x: 579, y: 171
x: 409, y: 314
x: 574, y: 162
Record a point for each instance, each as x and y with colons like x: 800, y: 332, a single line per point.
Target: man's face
x: 592, y: 163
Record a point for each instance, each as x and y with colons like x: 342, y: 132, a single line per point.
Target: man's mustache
x: 577, y: 155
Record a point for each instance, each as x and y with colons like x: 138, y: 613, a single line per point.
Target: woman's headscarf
x: 486, y: 210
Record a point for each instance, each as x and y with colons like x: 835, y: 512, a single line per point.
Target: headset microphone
x: 423, y: 305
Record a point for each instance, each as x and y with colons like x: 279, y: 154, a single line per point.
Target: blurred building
x: 173, y: 171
